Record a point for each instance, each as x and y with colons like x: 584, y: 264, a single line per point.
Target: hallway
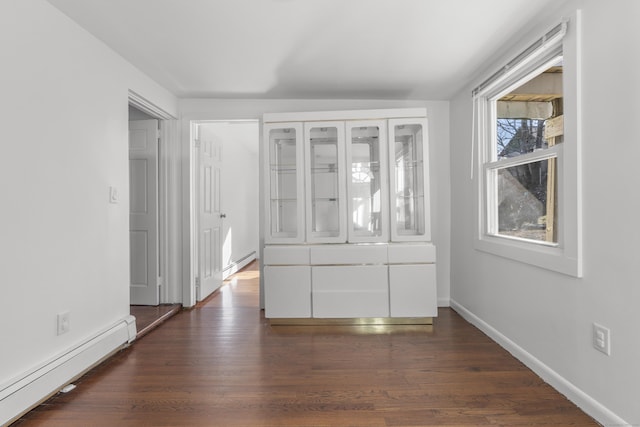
x: 222, y: 364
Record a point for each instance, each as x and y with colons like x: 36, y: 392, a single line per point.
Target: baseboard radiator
x: 235, y: 266
x: 26, y: 391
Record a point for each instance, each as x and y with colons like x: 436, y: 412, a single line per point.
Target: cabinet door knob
x: 223, y: 215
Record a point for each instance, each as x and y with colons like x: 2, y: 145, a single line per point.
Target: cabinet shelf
x: 323, y: 141
x: 371, y: 166
x: 323, y: 171
x: 410, y: 197
x: 318, y: 200
x: 283, y: 200
x: 409, y: 164
x: 284, y: 168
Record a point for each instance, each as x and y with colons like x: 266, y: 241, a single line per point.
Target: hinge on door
x: 196, y: 143
x: 197, y: 282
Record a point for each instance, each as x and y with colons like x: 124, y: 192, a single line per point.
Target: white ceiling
x: 342, y: 49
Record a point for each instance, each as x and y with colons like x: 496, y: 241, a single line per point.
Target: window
x: 521, y: 170
x: 528, y: 156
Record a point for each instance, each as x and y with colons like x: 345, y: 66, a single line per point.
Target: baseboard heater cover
x: 33, y: 387
x: 235, y: 266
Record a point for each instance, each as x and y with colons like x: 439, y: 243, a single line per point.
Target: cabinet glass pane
x: 409, y: 178
x: 325, y: 206
x: 283, y: 175
x: 365, y: 187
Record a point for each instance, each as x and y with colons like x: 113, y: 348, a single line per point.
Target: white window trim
x: 565, y: 256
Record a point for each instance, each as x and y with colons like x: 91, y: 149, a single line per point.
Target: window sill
x: 552, y: 258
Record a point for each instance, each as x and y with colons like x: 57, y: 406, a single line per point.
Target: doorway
x: 151, y: 133
x: 144, y: 232
x: 159, y: 199
x: 225, y: 203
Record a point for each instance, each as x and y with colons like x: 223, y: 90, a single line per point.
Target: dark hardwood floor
x: 149, y: 317
x: 222, y: 364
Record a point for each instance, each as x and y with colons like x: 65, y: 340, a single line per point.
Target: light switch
x: 113, y: 195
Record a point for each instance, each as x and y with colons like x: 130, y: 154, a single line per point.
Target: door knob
x: 223, y: 215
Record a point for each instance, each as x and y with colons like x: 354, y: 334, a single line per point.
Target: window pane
x: 529, y: 117
x: 526, y: 197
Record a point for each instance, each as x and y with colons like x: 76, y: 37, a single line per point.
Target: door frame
x: 189, y: 204
x: 168, y: 199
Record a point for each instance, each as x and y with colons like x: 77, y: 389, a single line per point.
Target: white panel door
x: 210, y: 237
x: 143, y: 212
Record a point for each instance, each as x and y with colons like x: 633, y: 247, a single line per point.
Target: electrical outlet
x: 63, y: 323
x: 602, y: 339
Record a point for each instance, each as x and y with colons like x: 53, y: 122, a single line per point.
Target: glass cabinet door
x: 367, y: 195
x: 324, y: 155
x: 409, y: 162
x: 285, y: 210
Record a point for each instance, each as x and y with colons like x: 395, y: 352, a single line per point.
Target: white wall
x: 550, y: 315
x: 239, y: 194
x: 437, y: 112
x: 135, y: 115
x: 64, y: 115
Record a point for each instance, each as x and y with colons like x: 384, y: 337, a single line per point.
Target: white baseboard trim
x: 236, y: 266
x: 33, y: 387
x: 585, y: 402
x: 444, y: 302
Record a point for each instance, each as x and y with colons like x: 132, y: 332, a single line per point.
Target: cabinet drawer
x: 350, y: 291
x: 286, y: 255
x: 412, y: 253
x: 350, y: 304
x: 348, y: 254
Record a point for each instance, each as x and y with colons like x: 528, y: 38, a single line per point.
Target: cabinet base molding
x: 357, y: 321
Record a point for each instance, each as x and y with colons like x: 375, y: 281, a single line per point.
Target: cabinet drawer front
x: 286, y: 255
x: 412, y: 253
x: 412, y: 290
x: 287, y: 291
x: 350, y: 291
x: 350, y: 278
x: 348, y: 254
x: 350, y: 304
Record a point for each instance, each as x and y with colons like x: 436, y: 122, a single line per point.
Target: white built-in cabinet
x: 347, y: 231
